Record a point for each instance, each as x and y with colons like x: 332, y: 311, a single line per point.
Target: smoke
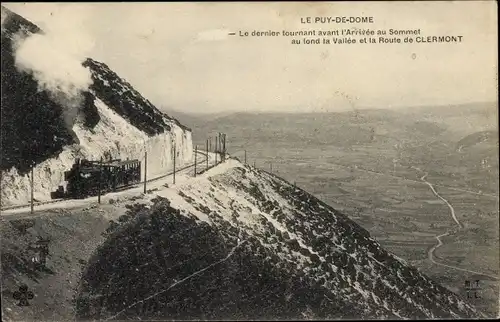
x: 55, y: 56
x: 4, y: 13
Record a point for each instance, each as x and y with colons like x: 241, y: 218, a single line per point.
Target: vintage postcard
x: 249, y: 161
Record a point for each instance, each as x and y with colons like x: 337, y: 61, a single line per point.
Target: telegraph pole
x: 271, y: 167
x: 224, y: 146
x: 221, y: 138
x: 221, y: 148
x: 215, y: 150
x: 100, y: 179
x: 245, y: 156
x: 195, y: 158
x: 145, y: 169
x: 207, y: 154
x: 32, y: 184
x: 174, y: 162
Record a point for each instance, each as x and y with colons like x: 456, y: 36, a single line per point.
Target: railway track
x: 135, y: 185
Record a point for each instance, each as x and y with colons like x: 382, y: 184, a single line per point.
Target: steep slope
x: 48, y: 122
x: 119, y: 95
x: 238, y: 242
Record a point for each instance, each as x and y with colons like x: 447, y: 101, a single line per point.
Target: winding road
x: 431, y: 253
x: 452, y: 211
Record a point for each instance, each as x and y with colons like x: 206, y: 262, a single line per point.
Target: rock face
x: 111, y: 120
x: 240, y: 243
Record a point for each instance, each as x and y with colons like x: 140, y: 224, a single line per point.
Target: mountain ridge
x: 263, y: 229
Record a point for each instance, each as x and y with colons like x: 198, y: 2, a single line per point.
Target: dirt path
x: 431, y: 253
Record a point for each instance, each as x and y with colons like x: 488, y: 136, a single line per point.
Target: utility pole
x: 207, y: 154
x: 195, y: 158
x: 271, y: 167
x: 32, y: 184
x: 215, y: 150
x: 254, y: 164
x: 100, y: 179
x: 224, y: 145
x: 145, y: 169
x: 221, y: 147
x: 245, y: 156
x: 223, y: 142
x: 174, y: 162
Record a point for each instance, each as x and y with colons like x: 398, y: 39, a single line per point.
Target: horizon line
x: 171, y: 109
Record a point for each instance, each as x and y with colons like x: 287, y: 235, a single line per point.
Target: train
x: 86, y: 178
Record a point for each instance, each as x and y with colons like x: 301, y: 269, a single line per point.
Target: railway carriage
x: 86, y: 177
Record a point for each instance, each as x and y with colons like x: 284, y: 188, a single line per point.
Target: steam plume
x: 55, y: 57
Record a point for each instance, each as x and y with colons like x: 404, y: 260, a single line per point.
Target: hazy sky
x: 179, y: 54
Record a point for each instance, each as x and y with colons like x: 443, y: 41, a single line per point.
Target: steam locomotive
x: 86, y: 177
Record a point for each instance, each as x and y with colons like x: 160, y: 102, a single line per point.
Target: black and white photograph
x: 242, y: 161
